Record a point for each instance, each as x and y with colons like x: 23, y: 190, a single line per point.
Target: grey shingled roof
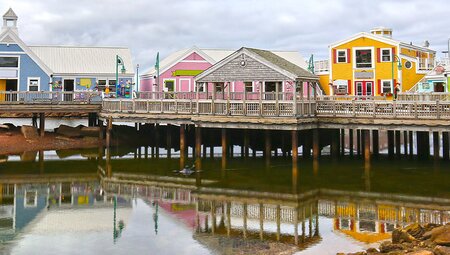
x: 283, y: 63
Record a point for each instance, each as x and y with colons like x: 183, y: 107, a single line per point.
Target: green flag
x: 157, y: 61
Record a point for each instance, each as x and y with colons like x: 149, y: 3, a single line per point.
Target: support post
x: 445, y: 145
x: 182, y: 146
x: 390, y: 136
x: 169, y: 142
x: 42, y: 124
x: 436, y: 146
x: 108, y: 132
x: 268, y: 144
x: 157, y: 140
x: 294, y: 138
x: 198, y: 147
x: 224, y: 142
x: 405, y: 142
x: 375, y: 143
x: 358, y: 142
x: 246, y: 143
x: 411, y: 143
x: 366, y: 134
x: 350, y: 141
x: 316, y: 143
x: 398, y: 144
x: 334, y: 143
x: 342, y: 145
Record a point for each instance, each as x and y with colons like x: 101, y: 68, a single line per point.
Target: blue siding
x: 25, y: 215
x: 11, y: 47
x: 29, y: 68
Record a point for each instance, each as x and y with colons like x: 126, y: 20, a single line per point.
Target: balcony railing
x: 49, y: 97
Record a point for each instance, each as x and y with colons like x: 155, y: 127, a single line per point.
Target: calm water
x: 75, y: 203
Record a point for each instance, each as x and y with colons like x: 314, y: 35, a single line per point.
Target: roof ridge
x: 79, y: 46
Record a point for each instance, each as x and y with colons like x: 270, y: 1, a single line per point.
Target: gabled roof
x: 10, y: 14
x: 381, y: 39
x: 9, y: 36
x: 68, y: 60
x: 215, y: 55
x: 283, y: 63
x: 267, y: 58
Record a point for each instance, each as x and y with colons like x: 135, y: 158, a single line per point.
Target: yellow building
x: 368, y: 64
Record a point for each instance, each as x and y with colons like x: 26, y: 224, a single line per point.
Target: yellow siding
x: 324, y: 79
x: 408, y: 52
x: 383, y: 70
x: 409, y: 76
x: 2, y: 88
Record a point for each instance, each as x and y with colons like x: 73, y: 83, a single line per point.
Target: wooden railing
x: 49, y: 97
x: 424, y: 96
x: 273, y: 108
x: 267, y: 108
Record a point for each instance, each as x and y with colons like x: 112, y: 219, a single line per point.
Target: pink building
x: 177, y: 71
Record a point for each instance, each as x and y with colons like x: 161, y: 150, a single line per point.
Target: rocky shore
x: 14, y: 140
x: 415, y: 239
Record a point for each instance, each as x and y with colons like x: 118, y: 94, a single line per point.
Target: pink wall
x: 182, y: 83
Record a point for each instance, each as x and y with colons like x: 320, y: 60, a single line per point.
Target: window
x: 386, y: 86
x: 112, y: 85
x: 386, y: 55
x: 9, y: 62
x: 248, y: 86
x: 408, y: 64
x: 363, y: 58
x: 219, y: 86
x: 30, y: 199
x: 341, y: 56
x: 33, y: 84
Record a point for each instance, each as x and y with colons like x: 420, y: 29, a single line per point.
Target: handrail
x: 50, y: 97
x: 285, y: 108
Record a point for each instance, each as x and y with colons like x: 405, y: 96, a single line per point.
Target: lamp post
x: 137, y: 78
x: 395, y: 58
x: 119, y: 61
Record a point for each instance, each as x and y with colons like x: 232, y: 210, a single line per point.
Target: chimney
x: 382, y: 31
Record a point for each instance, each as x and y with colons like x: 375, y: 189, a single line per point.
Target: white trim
x: 368, y: 35
x: 391, y: 56
x: 193, y: 61
x: 27, y: 50
x: 354, y: 49
x: 13, y: 52
x: 337, y: 56
x: 180, y: 89
x: 38, y: 83
x: 174, y: 84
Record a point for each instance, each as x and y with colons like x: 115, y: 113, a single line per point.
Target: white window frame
x: 253, y: 86
x: 34, y: 78
x: 180, y: 83
x: 337, y: 56
x: 25, y: 204
x: 372, y: 49
x: 382, y: 86
x: 390, y: 54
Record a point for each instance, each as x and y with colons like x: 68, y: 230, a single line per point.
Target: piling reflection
x: 287, y: 206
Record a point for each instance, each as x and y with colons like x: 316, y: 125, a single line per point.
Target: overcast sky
x: 149, y: 26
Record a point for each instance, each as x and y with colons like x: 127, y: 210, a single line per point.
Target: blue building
x: 61, y: 68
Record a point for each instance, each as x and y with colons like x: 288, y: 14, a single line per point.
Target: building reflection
x: 220, y: 216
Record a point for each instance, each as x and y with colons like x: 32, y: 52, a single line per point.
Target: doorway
x: 439, y: 87
x: 68, y: 86
x: 270, y: 86
x: 364, y: 88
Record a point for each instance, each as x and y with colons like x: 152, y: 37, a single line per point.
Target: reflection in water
x: 242, y: 208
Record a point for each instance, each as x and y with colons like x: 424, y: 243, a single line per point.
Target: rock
x: 421, y: 252
x: 90, y: 131
x: 400, y: 236
x: 415, y: 230
x: 28, y: 156
x: 29, y: 132
x: 441, y: 250
x: 4, y: 127
x: 441, y: 235
x: 357, y: 253
x: 372, y: 250
x: 68, y: 131
x: 388, y: 246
